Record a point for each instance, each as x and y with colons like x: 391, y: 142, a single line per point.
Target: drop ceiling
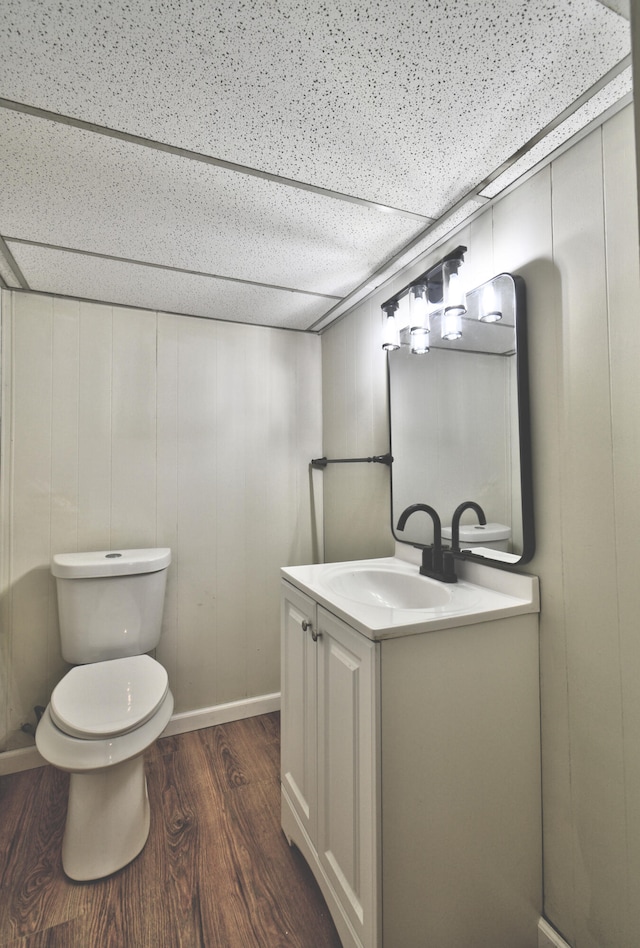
x: 270, y: 161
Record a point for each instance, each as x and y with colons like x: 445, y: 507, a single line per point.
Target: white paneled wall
x: 354, y: 402
x: 571, y: 231
x: 126, y: 428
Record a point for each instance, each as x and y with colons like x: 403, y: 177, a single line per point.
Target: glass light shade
x: 390, y: 329
x: 419, y: 341
x: 419, y: 308
x: 454, y: 301
x: 489, y: 307
x: 454, y: 297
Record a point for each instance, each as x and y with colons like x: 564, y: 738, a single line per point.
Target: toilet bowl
x: 110, y: 707
x: 100, y: 720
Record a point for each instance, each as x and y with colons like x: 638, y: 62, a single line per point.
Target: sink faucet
x: 455, y: 521
x: 434, y: 563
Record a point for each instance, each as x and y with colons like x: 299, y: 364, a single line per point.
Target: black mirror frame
x: 524, y: 434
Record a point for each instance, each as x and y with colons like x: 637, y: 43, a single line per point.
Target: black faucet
x: 455, y: 521
x: 435, y: 564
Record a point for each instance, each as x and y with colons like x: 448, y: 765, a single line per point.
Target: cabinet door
x: 348, y: 771
x: 298, y: 709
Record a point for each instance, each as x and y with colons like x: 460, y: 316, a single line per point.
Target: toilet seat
x: 106, y: 699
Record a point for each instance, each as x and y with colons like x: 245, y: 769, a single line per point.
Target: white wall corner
x: 548, y: 936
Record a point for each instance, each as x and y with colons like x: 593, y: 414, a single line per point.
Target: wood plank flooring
x: 216, y: 872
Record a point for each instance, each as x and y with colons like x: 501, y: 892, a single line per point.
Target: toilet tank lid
x: 109, y: 563
x: 478, y: 533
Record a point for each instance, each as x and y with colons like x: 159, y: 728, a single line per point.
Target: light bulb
x: 419, y: 308
x: 390, y: 330
x: 454, y: 302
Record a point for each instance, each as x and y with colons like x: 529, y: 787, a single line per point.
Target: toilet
x: 111, y: 706
x: 492, y: 536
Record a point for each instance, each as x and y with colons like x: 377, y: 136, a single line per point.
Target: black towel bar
x: 378, y: 459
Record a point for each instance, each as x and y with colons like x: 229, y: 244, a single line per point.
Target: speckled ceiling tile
x: 405, y: 103
x: 76, y: 189
x: 112, y: 281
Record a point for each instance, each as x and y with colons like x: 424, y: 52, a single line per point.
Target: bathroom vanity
x: 411, y: 751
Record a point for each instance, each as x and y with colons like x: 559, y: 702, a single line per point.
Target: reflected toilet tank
x: 494, y: 536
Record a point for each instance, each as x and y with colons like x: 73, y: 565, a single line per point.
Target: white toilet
x: 111, y: 707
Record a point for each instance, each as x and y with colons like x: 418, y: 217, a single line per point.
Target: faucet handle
x: 449, y: 567
x: 427, y: 558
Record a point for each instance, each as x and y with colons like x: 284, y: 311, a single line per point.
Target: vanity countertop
x: 382, y: 597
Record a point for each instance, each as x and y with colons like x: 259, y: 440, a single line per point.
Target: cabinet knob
x: 308, y: 624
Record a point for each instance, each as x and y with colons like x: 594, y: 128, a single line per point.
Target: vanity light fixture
x: 436, y: 293
x: 489, y: 306
x: 454, y: 302
x: 390, y: 330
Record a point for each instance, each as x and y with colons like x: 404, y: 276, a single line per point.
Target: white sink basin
x: 388, y: 588
x: 388, y: 597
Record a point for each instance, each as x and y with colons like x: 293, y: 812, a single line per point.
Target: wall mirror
x: 459, y: 418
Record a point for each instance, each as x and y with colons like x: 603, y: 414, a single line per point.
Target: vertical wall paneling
x: 94, y: 426
x: 167, y: 478
x: 64, y: 456
x: 356, y: 496
x: 308, y: 440
x: 595, y: 712
x: 197, y: 549
x: 623, y: 293
x: 523, y: 241
x: 233, y: 482
x: 132, y: 429
x: 6, y: 481
x: 32, y: 462
x: 260, y: 411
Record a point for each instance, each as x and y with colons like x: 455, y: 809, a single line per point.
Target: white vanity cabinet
x: 329, y: 760
x: 411, y: 776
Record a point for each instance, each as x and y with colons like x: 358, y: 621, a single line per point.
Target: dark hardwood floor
x: 216, y: 872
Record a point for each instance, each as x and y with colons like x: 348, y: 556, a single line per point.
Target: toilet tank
x: 110, y: 603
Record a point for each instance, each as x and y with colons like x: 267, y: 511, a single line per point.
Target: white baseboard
x: 26, y: 758
x: 222, y: 714
x: 548, y: 936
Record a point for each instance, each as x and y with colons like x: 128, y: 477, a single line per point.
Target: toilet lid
x: 106, y: 699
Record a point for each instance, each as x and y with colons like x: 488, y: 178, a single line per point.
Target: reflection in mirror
x: 459, y: 416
